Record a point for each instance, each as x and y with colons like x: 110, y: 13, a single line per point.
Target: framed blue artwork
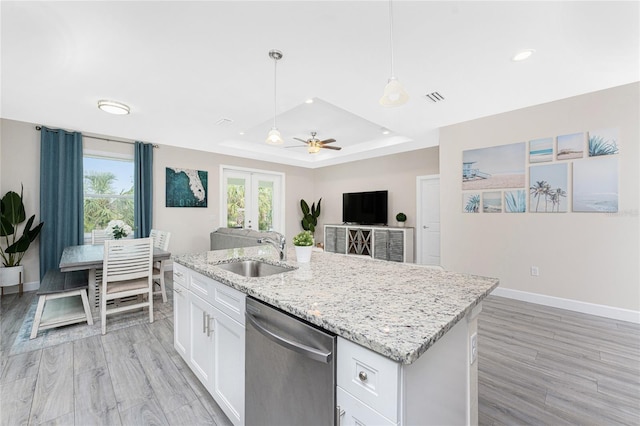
x: 186, y: 188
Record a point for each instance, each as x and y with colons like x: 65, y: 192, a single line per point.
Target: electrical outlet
x: 473, y: 348
x: 535, y: 271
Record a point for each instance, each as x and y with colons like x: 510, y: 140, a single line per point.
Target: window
x: 108, y: 191
x: 253, y: 200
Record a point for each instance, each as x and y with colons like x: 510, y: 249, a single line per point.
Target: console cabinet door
x: 381, y: 244
x: 201, y: 340
x: 396, y: 246
x: 228, y: 358
x: 181, y: 321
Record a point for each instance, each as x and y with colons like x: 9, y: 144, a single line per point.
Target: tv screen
x: 365, y: 208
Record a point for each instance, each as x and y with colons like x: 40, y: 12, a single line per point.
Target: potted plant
x: 310, y: 215
x: 12, y: 214
x: 401, y: 218
x: 303, y: 243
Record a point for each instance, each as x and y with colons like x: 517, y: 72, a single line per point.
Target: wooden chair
x: 161, y: 241
x: 127, y: 270
x: 99, y: 236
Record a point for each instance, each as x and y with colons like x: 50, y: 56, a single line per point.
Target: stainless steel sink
x: 254, y: 268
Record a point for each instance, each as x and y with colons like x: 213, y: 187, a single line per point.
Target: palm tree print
x: 543, y: 189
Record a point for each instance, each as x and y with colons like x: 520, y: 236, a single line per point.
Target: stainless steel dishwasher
x: 289, y: 370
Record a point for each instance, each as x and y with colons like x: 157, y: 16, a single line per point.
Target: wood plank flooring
x: 541, y: 365
x: 537, y: 366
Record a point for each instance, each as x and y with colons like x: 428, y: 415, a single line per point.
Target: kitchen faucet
x: 279, y: 244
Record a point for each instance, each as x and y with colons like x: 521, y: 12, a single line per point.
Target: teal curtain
x: 61, y: 195
x: 143, y: 189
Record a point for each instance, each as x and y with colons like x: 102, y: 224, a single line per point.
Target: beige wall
x: 587, y: 257
x: 396, y: 173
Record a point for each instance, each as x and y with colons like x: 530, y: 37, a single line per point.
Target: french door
x: 252, y: 199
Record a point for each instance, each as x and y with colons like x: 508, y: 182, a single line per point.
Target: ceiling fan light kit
x: 394, y: 94
x: 274, y: 137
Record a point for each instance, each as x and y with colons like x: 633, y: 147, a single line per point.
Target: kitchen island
x: 397, y: 312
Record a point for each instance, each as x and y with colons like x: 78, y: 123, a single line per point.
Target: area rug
x: 69, y: 333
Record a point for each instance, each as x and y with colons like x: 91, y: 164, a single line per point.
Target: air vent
x: 224, y: 121
x: 434, y: 97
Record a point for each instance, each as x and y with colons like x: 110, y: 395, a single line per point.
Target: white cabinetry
x: 379, y: 242
x: 209, y: 334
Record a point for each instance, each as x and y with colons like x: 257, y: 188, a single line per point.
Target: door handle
x: 300, y: 348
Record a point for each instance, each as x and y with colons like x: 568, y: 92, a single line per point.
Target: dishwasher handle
x: 308, y: 351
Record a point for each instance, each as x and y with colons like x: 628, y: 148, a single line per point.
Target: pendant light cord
x: 275, y: 82
x: 391, y: 36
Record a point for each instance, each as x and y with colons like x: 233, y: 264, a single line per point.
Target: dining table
x: 90, y: 257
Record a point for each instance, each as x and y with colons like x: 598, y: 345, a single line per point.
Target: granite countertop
x: 395, y: 309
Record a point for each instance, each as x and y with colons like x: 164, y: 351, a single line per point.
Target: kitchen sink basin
x: 254, y: 268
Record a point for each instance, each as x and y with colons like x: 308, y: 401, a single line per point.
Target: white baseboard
x: 32, y: 286
x: 571, y: 305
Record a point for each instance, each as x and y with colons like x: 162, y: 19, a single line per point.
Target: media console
x: 378, y: 242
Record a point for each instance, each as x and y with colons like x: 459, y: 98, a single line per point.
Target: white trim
x: 418, y: 251
x: 116, y: 156
x: 612, y: 312
x: 13, y: 289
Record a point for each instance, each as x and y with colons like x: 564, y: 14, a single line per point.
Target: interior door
x: 428, y: 226
x: 252, y: 200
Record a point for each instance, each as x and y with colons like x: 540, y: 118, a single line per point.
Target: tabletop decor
x: 303, y: 243
x: 118, y: 229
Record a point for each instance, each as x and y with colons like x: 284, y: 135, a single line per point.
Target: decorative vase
x: 303, y: 253
x: 401, y: 224
x: 12, y: 275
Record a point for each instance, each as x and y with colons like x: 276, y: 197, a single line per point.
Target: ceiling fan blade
x: 301, y: 140
x: 337, y: 148
x: 327, y: 141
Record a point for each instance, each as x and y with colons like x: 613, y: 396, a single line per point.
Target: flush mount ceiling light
x: 274, y: 137
x: 522, y: 55
x: 113, y: 107
x: 394, y: 94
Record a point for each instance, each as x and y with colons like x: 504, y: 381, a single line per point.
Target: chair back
x: 160, y: 239
x: 127, y: 259
x: 99, y: 236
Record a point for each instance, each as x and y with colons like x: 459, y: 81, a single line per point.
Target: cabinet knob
x: 362, y: 376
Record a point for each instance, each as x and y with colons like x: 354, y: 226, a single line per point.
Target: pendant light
x: 274, y: 137
x: 394, y: 94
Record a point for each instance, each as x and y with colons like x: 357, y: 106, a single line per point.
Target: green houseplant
x: 310, y: 215
x: 401, y: 218
x: 12, y: 214
x: 303, y: 244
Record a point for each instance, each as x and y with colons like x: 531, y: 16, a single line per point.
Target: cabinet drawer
x: 221, y: 296
x: 180, y: 275
x: 356, y: 413
x: 370, y: 377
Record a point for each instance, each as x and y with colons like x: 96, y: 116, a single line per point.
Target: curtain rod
x: 98, y: 138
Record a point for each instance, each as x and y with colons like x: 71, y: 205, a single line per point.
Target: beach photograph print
x: 548, y: 188
x: 515, y: 201
x: 494, y: 168
x: 186, y: 188
x: 595, y: 185
x: 492, y: 202
x: 571, y: 146
x: 603, y: 142
x: 471, y: 202
x: 541, y: 150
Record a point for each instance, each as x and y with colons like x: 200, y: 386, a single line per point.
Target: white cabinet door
x: 228, y: 382
x: 201, y: 339
x: 354, y: 412
x: 181, y: 321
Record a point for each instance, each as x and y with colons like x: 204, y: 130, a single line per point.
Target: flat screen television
x: 365, y: 208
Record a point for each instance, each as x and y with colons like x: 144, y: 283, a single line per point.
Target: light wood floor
x: 537, y: 365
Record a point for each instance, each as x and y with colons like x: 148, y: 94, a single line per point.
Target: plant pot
x: 303, y: 253
x: 400, y: 224
x: 12, y: 275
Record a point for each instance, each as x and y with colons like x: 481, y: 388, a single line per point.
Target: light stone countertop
x: 395, y: 309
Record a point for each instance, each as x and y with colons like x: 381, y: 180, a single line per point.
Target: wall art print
x: 492, y: 202
x: 548, y: 188
x: 603, y: 142
x: 571, y: 146
x: 471, y: 202
x: 541, y: 150
x: 186, y: 187
x: 515, y: 201
x: 494, y: 168
x: 595, y: 185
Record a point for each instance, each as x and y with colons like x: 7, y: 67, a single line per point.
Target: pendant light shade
x: 274, y: 137
x: 394, y: 94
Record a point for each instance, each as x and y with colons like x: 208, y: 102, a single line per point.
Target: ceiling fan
x: 314, y: 144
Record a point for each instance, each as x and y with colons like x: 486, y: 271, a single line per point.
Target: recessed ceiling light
x: 241, y: 133
x: 522, y: 55
x: 308, y: 101
x: 385, y: 131
x: 113, y: 107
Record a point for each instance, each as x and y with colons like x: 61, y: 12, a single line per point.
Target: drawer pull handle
x: 177, y: 290
x: 178, y: 274
x: 362, y: 376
